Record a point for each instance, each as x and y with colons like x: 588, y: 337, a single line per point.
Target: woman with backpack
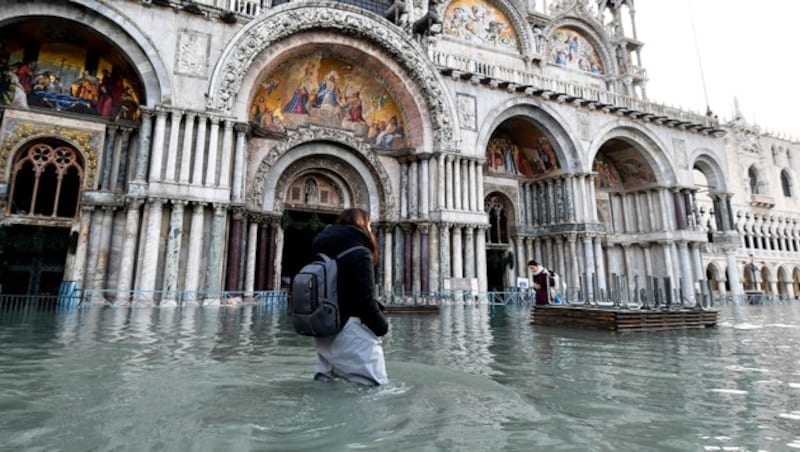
x: 355, y: 353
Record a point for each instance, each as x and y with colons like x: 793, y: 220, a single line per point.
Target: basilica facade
x: 167, y: 151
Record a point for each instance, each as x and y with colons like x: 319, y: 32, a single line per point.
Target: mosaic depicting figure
x: 607, y: 176
x: 60, y: 79
x: 571, y: 49
x: 479, y: 22
x: 506, y: 157
x: 326, y: 90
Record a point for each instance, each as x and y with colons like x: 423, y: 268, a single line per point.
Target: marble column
x: 458, y: 188
x: 129, y: 239
x: 227, y: 155
x: 449, y: 182
x: 82, y: 248
x: 469, y: 254
x: 473, y: 186
x: 687, y: 288
x: 263, y: 253
x: 250, y: 268
x: 172, y: 147
x: 588, y: 255
x: 158, y: 145
x: 441, y: 182
x: 464, y: 184
x: 408, y: 253
x: 479, y: 183
x: 521, y: 269
x: 143, y: 151
x: 416, y: 260
x: 524, y: 210
x: 240, y: 163
x: 569, y: 186
x: 104, y: 248
x: 600, y: 264
x: 174, y: 243
x: 413, y: 189
x: 404, y: 181
x: 273, y: 251
x: 199, y: 151
x: 186, y: 150
x: 458, y: 251
x: 108, y: 158
x: 528, y: 249
x: 480, y: 251
x: 152, y: 248
x: 213, y: 150
x: 234, y: 251
x: 424, y: 257
x: 122, y: 149
x: 574, y: 274
x: 388, y: 258
x: 433, y: 259
x: 424, y: 189
x: 734, y: 278
x: 444, y: 251
x: 192, y: 278
x: 215, y: 254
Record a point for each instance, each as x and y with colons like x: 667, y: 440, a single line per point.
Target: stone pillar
x: 128, y: 259
x: 79, y: 268
x: 458, y: 252
x: 480, y: 251
x: 213, y: 149
x: 574, y: 274
x: 474, y: 202
x: 262, y: 255
x: 469, y: 255
x: 388, y: 258
x: 686, y: 273
x: 464, y: 184
x: 569, y: 187
x: 250, y: 268
x: 143, y: 152
x: 424, y: 257
x: 234, y: 251
x: 217, y: 244
x: 119, y: 170
x: 107, y: 158
x: 591, y: 200
x: 441, y: 182
x: 480, y: 194
x: 158, y: 145
x: 697, y: 260
x: 172, y: 148
x: 273, y: 249
x: 227, y: 155
x: 528, y: 249
x: 424, y: 189
x: 186, y: 151
x: 449, y: 182
x: 413, y: 189
x: 734, y: 278
x: 416, y: 260
x: 588, y: 255
x: 434, y: 284
x: 524, y: 201
x: 174, y: 243
x: 408, y: 244
x: 104, y: 248
x: 458, y: 187
x: 600, y: 265
x: 404, y: 190
x: 192, y: 278
x: 519, y: 250
x: 152, y: 248
x: 199, y: 151
x: 444, y: 251
x: 240, y: 163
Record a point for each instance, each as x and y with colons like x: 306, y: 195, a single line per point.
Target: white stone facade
x: 193, y: 196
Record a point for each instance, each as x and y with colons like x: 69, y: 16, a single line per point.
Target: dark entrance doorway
x: 496, y: 262
x: 32, y: 259
x: 299, y: 229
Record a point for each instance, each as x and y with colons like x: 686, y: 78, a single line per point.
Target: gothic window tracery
x: 46, y: 181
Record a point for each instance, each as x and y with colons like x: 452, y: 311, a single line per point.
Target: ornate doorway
x: 32, y: 259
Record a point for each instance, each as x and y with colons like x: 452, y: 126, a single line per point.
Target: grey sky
x: 746, y: 51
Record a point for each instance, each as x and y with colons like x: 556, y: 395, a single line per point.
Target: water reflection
x: 475, y: 378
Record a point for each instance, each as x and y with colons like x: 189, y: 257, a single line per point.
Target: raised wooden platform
x: 620, y: 319
x: 411, y: 309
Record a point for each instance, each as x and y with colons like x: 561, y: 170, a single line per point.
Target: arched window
x: 46, y: 181
x: 752, y: 174
x: 786, y: 184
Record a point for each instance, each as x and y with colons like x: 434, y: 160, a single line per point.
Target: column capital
x: 241, y: 127
x: 424, y: 228
x: 156, y: 201
x: 219, y: 209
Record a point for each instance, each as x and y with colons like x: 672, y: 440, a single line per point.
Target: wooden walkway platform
x: 412, y: 309
x: 620, y: 319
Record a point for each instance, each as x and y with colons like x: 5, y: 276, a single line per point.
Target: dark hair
x: 359, y: 218
x: 532, y: 262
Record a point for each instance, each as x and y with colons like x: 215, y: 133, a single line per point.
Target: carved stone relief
x: 191, y: 57
x: 466, y: 111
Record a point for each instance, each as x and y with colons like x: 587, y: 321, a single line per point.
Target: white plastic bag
x: 354, y: 354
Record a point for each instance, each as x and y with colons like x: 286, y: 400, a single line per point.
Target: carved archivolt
x: 297, y: 137
x: 345, y: 180
x: 290, y: 19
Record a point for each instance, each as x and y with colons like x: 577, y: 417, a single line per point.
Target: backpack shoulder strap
x: 350, y: 250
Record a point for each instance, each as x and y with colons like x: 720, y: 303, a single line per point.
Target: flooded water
x: 471, y: 378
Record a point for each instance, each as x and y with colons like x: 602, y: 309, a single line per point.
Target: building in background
x: 166, y: 151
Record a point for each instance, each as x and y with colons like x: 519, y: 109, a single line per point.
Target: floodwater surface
x: 471, y: 378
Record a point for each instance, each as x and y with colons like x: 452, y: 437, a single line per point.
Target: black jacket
x: 356, y: 275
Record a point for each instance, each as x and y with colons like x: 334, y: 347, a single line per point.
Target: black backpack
x: 315, y: 302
